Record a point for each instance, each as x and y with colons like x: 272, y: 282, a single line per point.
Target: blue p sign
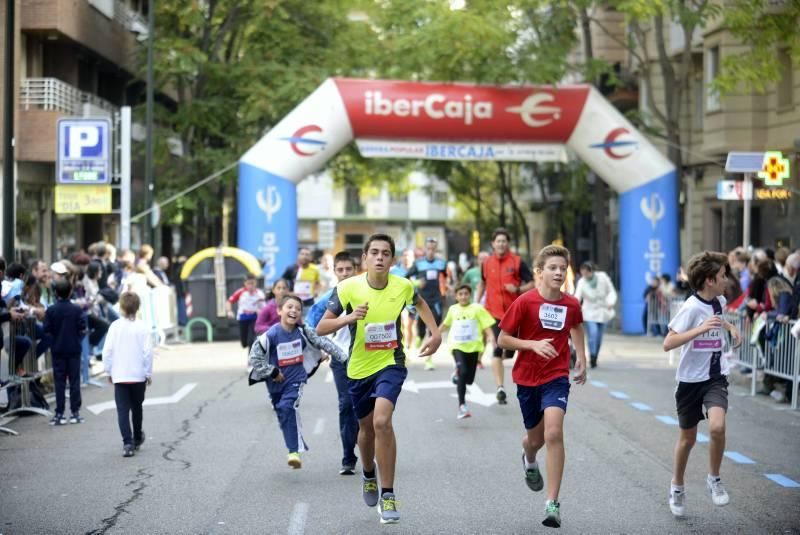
x: 83, y: 151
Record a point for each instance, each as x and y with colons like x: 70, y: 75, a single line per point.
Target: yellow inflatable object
x: 249, y: 261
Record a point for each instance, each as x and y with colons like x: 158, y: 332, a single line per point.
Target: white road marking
x: 297, y: 522
x: 413, y: 386
x: 97, y: 408
x: 476, y: 395
x: 319, y: 427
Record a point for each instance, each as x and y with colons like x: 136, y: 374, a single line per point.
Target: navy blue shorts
x: 533, y: 400
x: 386, y: 384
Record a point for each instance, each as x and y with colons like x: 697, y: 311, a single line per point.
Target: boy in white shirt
x: 128, y: 361
x: 702, y: 373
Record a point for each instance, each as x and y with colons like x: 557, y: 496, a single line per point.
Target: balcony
x: 107, y: 27
x: 42, y: 102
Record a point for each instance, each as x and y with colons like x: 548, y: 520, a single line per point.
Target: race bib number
x: 302, y: 289
x: 380, y: 336
x: 709, y: 342
x: 552, y: 317
x: 465, y: 331
x: 290, y: 353
x: 431, y: 274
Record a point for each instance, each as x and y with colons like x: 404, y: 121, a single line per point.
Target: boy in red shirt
x: 538, y: 325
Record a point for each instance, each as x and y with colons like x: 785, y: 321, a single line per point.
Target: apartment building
x: 712, y: 126
x: 335, y: 218
x: 73, y: 58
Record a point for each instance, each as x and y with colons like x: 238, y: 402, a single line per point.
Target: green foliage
x: 765, y: 34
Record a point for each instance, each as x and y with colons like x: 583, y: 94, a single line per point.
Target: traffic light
x: 476, y: 242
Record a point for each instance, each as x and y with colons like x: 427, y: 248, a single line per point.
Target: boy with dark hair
x: 539, y: 325
x: 697, y: 329
x: 469, y: 324
x: 249, y: 300
x: 66, y: 323
x: 370, y: 306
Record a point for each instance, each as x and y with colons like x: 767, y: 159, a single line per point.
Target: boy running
x: 249, y: 300
x: 376, y: 370
x: 469, y: 323
x: 702, y: 373
x: 538, y: 325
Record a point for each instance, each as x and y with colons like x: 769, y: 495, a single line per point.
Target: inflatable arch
x: 390, y: 114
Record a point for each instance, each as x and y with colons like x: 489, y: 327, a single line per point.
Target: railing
x: 660, y: 309
x: 52, y: 94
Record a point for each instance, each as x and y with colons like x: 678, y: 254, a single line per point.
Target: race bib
x: 302, y: 289
x: 290, y: 353
x: 431, y: 274
x: 380, y: 336
x: 709, y: 342
x: 552, y: 317
x: 465, y: 331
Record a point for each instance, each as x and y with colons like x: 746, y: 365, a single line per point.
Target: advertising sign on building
x: 83, y: 200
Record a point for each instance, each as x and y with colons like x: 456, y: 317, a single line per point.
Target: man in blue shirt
x: 427, y: 273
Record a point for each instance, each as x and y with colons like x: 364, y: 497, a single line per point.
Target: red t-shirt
x: 532, y: 317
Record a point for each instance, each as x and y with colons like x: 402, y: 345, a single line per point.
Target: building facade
x: 73, y: 58
x: 335, y: 218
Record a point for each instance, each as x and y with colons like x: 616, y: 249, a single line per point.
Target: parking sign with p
x: 83, y: 151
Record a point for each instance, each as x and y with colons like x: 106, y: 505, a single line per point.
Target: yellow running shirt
x: 466, y: 326
x: 376, y: 341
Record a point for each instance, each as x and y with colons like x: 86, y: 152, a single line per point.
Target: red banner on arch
x: 459, y: 112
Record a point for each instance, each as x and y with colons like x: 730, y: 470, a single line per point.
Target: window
x: 352, y: 201
x: 786, y: 82
x: 354, y: 243
x: 712, y: 71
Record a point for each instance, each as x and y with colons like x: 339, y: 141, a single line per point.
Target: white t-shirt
x: 696, y: 354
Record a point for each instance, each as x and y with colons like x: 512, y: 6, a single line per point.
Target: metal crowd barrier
x: 778, y: 355
x: 660, y: 310
x: 159, y: 310
x: 22, y: 370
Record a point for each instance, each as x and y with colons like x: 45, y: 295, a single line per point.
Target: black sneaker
x: 58, y: 419
x: 137, y: 442
x: 501, y: 395
x: 348, y: 469
x: 127, y: 450
x: 76, y: 418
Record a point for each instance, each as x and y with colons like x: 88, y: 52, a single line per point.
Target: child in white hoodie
x: 128, y: 361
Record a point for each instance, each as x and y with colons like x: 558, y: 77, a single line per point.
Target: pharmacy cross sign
x: 775, y: 169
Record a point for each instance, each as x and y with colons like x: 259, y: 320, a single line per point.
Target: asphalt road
x: 214, y: 460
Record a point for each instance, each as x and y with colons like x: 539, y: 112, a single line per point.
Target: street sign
x: 83, y: 151
x: 71, y: 199
x: 734, y: 190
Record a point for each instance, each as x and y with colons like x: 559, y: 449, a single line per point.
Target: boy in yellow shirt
x: 469, y: 323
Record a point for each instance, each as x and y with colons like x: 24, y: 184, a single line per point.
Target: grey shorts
x: 691, y: 398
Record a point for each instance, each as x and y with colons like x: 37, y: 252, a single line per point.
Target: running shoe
x: 388, y: 509
x: 58, y: 419
x: 501, y: 395
x: 677, y: 499
x: 718, y: 493
x: 552, y: 514
x: 369, y: 490
x: 463, y: 412
x: 429, y: 364
x: 347, y: 469
x: 76, y: 418
x: 127, y: 450
x: 293, y: 460
x: 533, y: 477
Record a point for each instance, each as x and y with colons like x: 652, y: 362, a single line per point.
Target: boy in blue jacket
x: 66, y: 323
x: 285, y: 356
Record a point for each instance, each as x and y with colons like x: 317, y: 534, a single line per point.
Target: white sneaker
x: 463, y: 412
x: 718, y: 493
x: 676, y: 502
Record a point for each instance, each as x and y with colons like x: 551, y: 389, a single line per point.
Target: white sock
x: 713, y: 478
x: 529, y: 465
x: 676, y: 488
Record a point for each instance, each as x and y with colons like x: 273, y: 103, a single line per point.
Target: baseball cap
x: 58, y: 267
